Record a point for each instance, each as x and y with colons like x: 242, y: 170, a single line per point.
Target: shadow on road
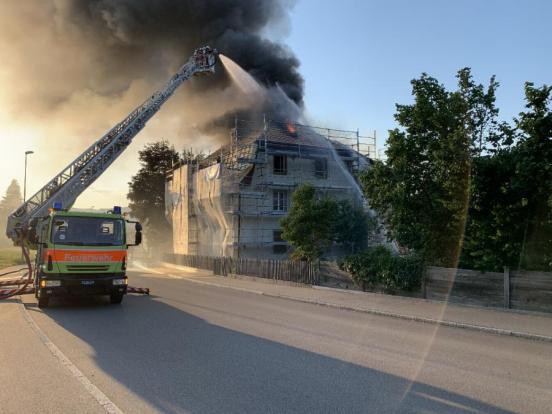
x: 178, y: 362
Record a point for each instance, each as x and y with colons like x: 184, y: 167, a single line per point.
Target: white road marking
x: 186, y: 269
x: 147, y: 269
x: 102, y: 399
x: 202, y: 282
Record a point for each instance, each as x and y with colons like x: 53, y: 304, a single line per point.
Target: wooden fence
x: 510, y: 289
x: 199, y: 262
x: 286, y: 270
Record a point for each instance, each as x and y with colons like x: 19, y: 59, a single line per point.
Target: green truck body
x: 81, y: 253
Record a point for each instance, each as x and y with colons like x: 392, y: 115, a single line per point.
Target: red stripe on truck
x: 87, y: 256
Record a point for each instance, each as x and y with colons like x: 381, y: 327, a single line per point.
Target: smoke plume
x: 103, y: 47
x: 73, y: 68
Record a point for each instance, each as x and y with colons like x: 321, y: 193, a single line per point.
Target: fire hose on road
x: 8, y: 293
x: 20, y: 286
x: 13, y: 282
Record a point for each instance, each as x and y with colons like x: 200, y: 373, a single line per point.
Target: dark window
x: 280, y: 200
x: 280, y: 164
x: 249, y: 177
x: 277, y: 236
x: 321, y: 168
x: 279, y: 249
x: 349, y: 164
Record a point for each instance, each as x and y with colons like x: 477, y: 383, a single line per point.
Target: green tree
x: 421, y: 192
x: 147, y: 190
x: 11, y: 200
x: 309, y: 225
x: 510, y: 216
x: 489, y: 238
x: 315, y: 223
x: 351, y: 226
x: 533, y: 178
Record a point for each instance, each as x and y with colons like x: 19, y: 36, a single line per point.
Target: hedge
x: 378, y: 266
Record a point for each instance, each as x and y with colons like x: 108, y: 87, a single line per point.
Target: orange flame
x: 291, y: 128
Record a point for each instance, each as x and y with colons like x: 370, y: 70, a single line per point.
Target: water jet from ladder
x: 243, y: 80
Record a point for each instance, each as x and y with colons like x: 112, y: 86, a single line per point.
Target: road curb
x: 377, y: 312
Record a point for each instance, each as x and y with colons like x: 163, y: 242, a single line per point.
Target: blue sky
x: 358, y: 57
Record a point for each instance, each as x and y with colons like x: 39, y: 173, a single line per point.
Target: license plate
x: 87, y: 282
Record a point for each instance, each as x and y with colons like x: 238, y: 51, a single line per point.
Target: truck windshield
x: 88, y: 231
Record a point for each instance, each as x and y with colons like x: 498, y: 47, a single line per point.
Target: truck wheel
x: 43, y: 302
x: 116, y: 298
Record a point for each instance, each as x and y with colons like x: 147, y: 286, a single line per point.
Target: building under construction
x: 231, y: 203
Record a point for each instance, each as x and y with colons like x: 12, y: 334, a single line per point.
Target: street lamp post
x: 27, y: 153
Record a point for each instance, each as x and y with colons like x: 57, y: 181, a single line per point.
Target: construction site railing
x: 286, y: 270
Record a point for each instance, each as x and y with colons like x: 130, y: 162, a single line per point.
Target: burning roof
x: 283, y: 133
x: 280, y: 137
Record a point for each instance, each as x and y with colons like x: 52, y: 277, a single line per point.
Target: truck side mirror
x: 138, y: 238
x: 138, y: 233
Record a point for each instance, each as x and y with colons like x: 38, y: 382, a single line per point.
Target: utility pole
x: 27, y: 153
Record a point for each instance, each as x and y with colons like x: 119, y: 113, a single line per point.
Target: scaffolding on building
x: 248, y: 184
x: 252, y: 144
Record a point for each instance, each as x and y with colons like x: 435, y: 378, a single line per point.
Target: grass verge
x: 10, y: 256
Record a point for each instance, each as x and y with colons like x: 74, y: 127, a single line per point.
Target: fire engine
x: 86, y: 253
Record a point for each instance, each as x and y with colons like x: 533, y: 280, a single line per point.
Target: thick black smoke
x: 131, y: 38
x: 71, y: 69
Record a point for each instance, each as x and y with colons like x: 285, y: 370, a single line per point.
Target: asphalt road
x: 203, y: 349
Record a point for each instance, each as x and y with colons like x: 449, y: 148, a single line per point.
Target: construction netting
x: 195, y: 206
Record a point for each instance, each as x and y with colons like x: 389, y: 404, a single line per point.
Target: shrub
x: 379, y: 266
x: 408, y: 272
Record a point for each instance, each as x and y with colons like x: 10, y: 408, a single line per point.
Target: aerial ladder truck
x: 86, y: 253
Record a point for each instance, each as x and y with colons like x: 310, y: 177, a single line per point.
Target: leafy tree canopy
x: 314, y: 223
x: 351, y: 226
x: 458, y: 184
x: 510, y: 215
x: 308, y: 227
x: 12, y: 199
x: 422, y: 190
x: 147, y: 188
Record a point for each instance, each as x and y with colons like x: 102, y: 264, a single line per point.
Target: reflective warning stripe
x: 86, y: 256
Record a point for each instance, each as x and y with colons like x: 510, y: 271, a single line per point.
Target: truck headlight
x: 50, y: 283
x: 119, y: 282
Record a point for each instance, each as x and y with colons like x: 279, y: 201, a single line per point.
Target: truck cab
x: 82, y: 254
